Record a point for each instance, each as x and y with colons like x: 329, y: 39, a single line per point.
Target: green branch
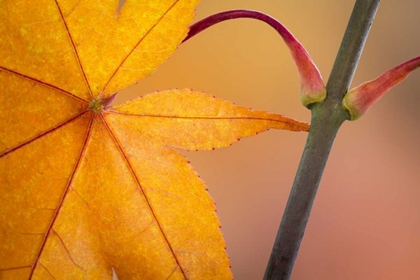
x: 327, y: 118
x: 351, y: 48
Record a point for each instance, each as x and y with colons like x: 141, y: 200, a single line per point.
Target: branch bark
x: 351, y: 48
x: 327, y: 118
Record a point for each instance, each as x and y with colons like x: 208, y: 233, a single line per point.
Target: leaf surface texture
x: 83, y: 191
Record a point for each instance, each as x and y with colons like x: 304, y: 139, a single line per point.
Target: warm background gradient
x: 365, y: 222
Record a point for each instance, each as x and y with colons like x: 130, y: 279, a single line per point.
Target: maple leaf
x: 86, y: 188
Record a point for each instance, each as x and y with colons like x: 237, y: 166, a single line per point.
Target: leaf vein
x: 139, y: 42
x: 60, y: 204
x: 117, y: 143
x: 201, y: 117
x: 42, y: 83
x: 64, y: 123
x: 14, y: 268
x: 75, y: 49
x: 68, y: 252
x: 46, y: 269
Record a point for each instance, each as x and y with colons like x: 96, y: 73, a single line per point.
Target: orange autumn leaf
x: 86, y: 189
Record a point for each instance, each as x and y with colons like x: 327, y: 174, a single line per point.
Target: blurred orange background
x: 365, y: 223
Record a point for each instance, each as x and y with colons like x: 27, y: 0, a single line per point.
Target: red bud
x: 358, y: 100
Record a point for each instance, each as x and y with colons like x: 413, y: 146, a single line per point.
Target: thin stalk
x: 351, y: 48
x: 235, y: 14
x: 325, y: 123
x: 312, y: 88
x: 327, y: 118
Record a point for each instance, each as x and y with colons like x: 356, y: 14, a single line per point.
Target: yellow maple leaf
x: 85, y: 188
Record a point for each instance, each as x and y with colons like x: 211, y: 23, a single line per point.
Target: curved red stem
x: 312, y: 85
x: 234, y: 14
